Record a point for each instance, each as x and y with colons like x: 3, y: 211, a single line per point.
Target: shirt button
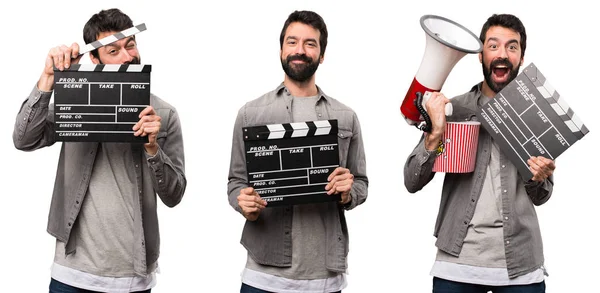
x: 287, y: 232
x: 140, y: 191
x: 416, y: 174
x: 504, y: 190
x: 503, y: 166
x: 320, y: 115
x: 472, y: 200
x: 136, y: 165
x: 507, y: 242
x: 466, y: 223
x: 506, y: 218
x: 160, y: 181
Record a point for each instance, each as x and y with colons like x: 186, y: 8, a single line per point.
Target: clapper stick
x: 112, y: 38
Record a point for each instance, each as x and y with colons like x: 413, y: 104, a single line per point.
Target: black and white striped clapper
x: 289, y: 163
x: 112, y: 38
x: 529, y: 118
x: 100, y: 102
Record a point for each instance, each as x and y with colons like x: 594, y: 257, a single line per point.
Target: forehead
x: 302, y: 31
x: 502, y: 34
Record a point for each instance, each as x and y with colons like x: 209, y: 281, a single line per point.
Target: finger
x: 247, y: 191
x: 58, y: 59
x: 140, y: 123
x: 67, y: 55
x: 147, y: 111
x: 75, y: 51
x: 337, y: 171
x: 341, y: 186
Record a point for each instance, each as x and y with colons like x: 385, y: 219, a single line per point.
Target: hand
x: 436, y: 108
x: 340, y: 181
x: 149, y: 125
x: 541, y: 168
x: 60, y: 57
x: 251, y: 203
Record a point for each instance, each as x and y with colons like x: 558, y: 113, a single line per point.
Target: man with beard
x: 300, y: 248
x: 488, y: 236
x: 103, y: 210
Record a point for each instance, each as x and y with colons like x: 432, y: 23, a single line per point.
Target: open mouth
x: 500, y: 73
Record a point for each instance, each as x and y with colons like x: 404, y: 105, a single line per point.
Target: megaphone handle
x: 426, y: 127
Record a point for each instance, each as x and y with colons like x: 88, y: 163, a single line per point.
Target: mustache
x: 499, y: 62
x: 301, y: 57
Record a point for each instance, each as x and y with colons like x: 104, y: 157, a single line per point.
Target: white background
x: 209, y: 59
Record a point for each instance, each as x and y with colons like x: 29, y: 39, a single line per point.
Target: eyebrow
x: 296, y: 38
x: 509, y: 42
x: 129, y: 40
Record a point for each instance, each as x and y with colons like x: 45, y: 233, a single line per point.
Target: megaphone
x: 446, y: 43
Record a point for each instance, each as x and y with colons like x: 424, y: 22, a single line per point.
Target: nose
x: 125, y: 57
x: 503, y: 53
x: 299, y: 50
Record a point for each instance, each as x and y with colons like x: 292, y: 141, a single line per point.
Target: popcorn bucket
x: 460, y: 148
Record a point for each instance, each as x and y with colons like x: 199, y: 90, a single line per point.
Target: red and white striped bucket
x: 460, y: 147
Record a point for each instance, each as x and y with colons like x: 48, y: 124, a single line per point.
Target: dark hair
x: 309, y: 18
x: 507, y: 21
x: 111, y: 20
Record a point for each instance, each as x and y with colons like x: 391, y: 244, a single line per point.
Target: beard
x: 299, y: 72
x: 488, y: 71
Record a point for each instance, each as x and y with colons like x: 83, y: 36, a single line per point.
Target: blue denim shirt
x: 162, y: 174
x: 268, y: 239
x: 460, y: 192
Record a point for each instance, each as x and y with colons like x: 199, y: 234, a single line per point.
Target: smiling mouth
x: 500, y: 73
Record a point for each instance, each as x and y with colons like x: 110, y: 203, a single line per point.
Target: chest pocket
x: 344, y: 137
x: 165, y: 115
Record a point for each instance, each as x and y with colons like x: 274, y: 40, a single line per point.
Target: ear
x: 480, y: 57
x: 94, y: 59
x: 321, y: 58
x: 522, y: 61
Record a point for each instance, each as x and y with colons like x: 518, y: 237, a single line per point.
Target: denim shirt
x: 269, y: 238
x: 162, y: 174
x: 460, y: 192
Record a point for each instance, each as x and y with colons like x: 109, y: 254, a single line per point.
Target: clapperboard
x: 289, y: 163
x: 529, y: 118
x: 100, y: 102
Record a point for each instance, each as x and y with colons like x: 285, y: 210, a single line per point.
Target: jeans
x: 58, y: 287
x: 249, y: 289
x: 445, y: 286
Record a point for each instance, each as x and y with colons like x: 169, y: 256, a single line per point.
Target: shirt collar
x: 282, y: 90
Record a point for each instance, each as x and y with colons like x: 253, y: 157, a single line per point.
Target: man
x: 487, y: 231
x: 103, y: 210
x: 300, y: 248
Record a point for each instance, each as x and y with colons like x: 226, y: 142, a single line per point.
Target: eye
x: 513, y: 48
x: 493, y: 46
x: 112, y: 51
x: 291, y: 42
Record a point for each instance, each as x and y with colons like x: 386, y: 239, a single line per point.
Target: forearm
x: 34, y: 126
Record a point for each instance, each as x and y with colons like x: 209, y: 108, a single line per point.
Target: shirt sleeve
x: 357, y: 165
x: 418, y: 167
x: 34, y: 126
x: 168, y: 164
x: 238, y: 177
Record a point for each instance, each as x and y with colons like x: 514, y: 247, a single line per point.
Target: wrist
x: 46, y: 83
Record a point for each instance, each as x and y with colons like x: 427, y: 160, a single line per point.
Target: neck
x: 301, y: 89
x: 487, y: 91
